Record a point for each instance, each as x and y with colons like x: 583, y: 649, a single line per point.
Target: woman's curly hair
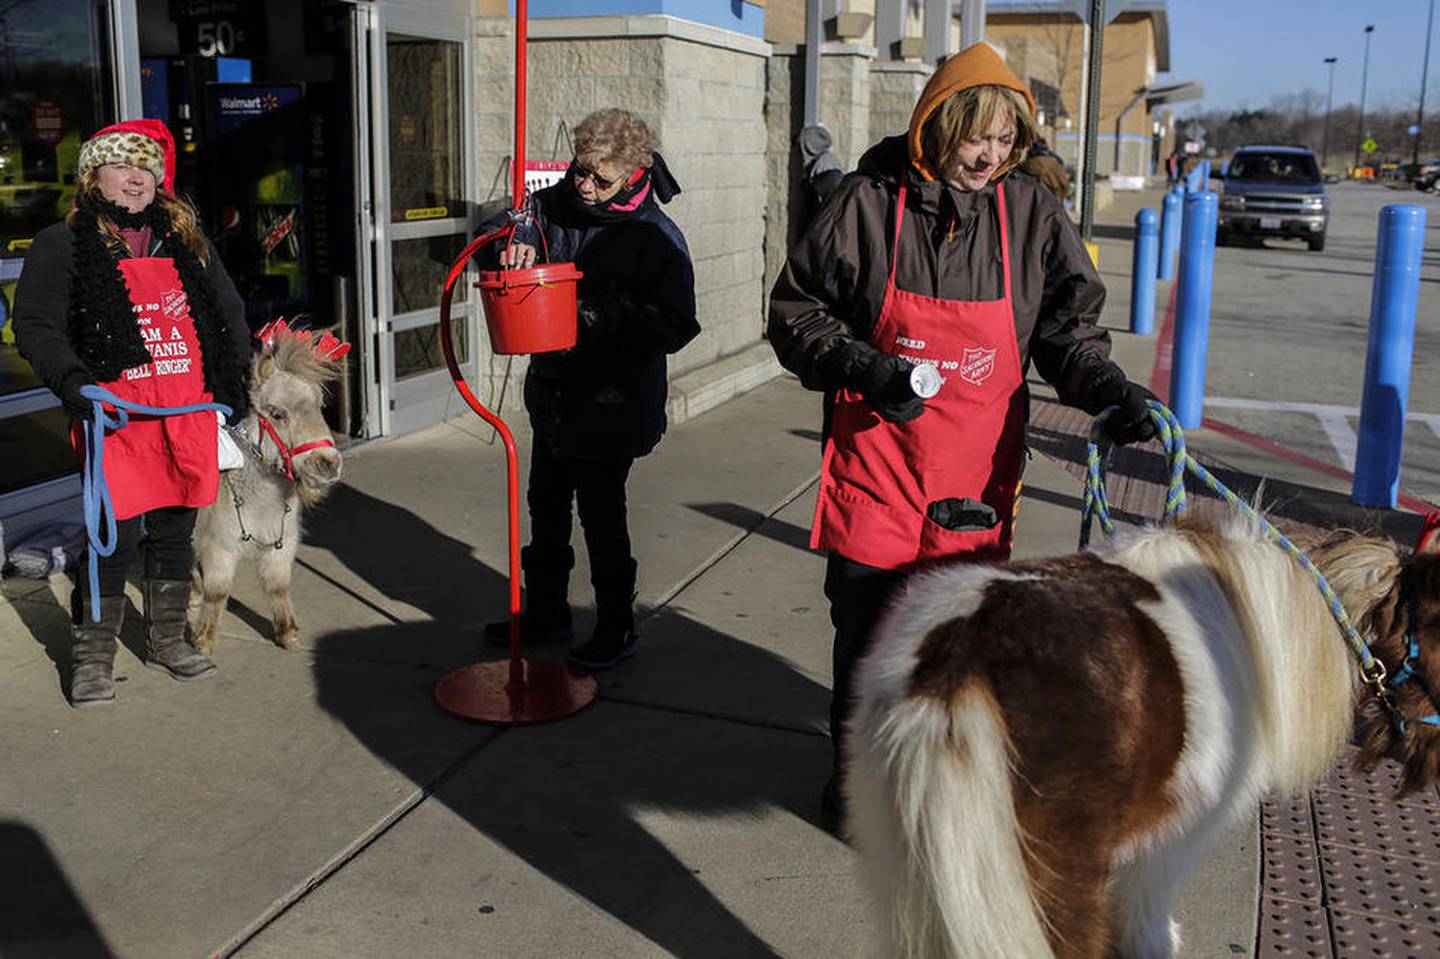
x: 617, y: 137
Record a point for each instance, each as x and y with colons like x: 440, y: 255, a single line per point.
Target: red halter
x: 287, y: 453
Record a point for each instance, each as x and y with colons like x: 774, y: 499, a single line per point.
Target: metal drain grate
x: 1377, y: 823
x: 1375, y: 937
x: 1349, y: 872
x: 1358, y: 880
x: 1294, y: 930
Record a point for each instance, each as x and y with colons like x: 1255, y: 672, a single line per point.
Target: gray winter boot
x: 92, y: 653
x: 167, y: 633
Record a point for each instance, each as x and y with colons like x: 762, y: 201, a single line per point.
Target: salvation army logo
x: 172, y: 303
x: 976, y: 364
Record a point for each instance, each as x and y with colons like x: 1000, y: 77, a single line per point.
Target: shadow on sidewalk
x: 568, y: 798
x: 47, y: 617
x: 407, y: 559
x: 41, y: 915
x: 754, y: 521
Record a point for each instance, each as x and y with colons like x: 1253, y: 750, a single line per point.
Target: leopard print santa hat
x: 146, y: 144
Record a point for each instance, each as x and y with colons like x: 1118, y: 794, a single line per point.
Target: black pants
x: 169, y: 552
x: 597, y: 488
x: 857, y: 594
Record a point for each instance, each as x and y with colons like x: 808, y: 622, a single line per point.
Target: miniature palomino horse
x: 290, y: 463
x: 1042, y: 751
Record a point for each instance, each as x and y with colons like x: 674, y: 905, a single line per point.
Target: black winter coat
x: 605, y: 398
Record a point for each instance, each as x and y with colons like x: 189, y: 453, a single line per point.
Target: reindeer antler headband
x: 328, y: 347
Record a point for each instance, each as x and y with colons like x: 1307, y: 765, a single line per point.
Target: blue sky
x: 1246, y: 51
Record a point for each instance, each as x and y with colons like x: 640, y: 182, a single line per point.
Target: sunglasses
x: 584, y: 173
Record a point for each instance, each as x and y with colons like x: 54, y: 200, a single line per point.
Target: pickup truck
x: 1274, y: 191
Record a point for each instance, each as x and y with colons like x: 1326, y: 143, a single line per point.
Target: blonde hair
x: 617, y: 137
x: 970, y: 113
x: 182, y: 217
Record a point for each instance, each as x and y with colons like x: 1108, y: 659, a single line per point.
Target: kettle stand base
x: 516, y: 692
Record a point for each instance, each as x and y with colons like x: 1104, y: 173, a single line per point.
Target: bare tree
x: 1062, y: 38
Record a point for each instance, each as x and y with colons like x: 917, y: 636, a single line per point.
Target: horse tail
x: 933, y: 813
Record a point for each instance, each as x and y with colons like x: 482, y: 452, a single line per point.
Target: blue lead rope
x: 99, y: 508
x: 1095, y: 505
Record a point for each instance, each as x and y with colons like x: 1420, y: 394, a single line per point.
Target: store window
x: 55, y: 90
x: 427, y: 175
x: 427, y: 193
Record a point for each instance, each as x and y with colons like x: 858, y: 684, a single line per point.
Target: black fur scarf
x: 102, y: 323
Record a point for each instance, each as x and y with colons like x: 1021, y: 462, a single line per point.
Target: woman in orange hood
x: 928, y: 284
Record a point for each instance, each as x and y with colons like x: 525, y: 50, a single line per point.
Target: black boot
x: 92, y: 653
x: 546, y: 618
x: 614, y: 638
x: 167, y: 632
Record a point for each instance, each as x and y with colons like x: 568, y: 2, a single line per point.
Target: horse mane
x: 294, y: 353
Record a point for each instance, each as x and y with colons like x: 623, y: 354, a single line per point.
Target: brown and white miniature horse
x: 257, y: 511
x: 1042, y: 751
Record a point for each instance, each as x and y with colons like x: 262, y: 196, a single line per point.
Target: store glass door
x: 423, y: 216
x: 56, y: 88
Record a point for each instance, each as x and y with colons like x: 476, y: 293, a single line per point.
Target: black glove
x: 1131, y: 422
x: 962, y: 514
x: 76, y: 406
x: 885, y: 384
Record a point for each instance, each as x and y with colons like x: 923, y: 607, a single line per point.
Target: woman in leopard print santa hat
x: 127, y: 293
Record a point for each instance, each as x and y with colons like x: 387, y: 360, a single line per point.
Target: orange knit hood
x: 975, y: 66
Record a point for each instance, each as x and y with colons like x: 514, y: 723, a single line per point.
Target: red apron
x: 878, y: 478
x: 171, y: 460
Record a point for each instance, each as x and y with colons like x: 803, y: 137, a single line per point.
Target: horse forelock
x: 294, y: 354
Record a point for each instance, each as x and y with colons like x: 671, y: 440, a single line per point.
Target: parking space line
x: 1342, y: 437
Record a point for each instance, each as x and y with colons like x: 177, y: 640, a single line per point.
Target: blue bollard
x: 1393, y: 300
x: 1192, y: 308
x: 1142, y: 273
x: 1170, y: 232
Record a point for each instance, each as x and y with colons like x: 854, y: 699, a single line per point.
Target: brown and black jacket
x: 832, y: 287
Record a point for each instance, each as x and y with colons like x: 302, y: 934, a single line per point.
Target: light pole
x: 1329, y: 98
x: 1424, y: 78
x: 1364, y: 76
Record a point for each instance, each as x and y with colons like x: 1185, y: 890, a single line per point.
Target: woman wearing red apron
x: 926, y: 287
x: 127, y: 293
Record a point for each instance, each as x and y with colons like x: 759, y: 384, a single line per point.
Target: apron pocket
x: 938, y: 543
x: 857, y: 527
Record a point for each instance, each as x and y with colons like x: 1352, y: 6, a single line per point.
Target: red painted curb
x: 1164, y: 347
x: 1272, y: 448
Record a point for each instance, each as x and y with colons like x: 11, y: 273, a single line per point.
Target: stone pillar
x: 845, y: 98
x: 891, y: 20
x: 702, y: 89
x: 494, y: 123
x: 895, y: 87
x: 939, y: 25
x: 786, y: 203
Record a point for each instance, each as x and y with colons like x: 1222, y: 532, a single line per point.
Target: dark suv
x: 1274, y: 191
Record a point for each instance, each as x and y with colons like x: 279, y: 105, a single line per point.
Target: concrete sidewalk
x: 317, y: 803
